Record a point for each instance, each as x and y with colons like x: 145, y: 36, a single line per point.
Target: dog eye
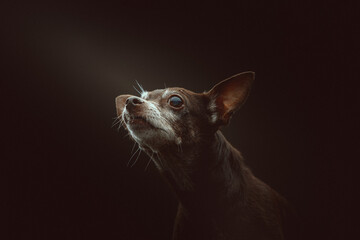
x: 175, y: 101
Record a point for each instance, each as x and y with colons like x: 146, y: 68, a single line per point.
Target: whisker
x: 116, y: 121
x: 141, y: 88
x: 179, y: 148
x: 136, y: 90
x: 132, y: 156
x: 121, y: 124
x: 160, y: 161
x: 149, y: 161
x: 133, y: 147
x: 136, y: 159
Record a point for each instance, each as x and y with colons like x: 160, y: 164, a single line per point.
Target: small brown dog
x: 219, y: 197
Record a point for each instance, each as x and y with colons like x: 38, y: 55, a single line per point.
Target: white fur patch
x: 212, y: 108
x: 157, y: 165
x: 213, y: 118
x: 212, y: 105
x: 161, y: 120
x: 165, y: 93
x: 144, y: 95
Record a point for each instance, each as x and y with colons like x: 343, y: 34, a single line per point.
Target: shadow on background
x: 65, y: 166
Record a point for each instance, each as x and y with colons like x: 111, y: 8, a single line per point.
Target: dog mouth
x: 136, y: 120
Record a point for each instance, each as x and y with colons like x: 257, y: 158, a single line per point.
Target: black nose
x: 133, y: 101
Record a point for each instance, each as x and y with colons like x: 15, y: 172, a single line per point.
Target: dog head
x: 170, y: 117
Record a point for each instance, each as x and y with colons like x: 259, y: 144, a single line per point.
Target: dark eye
x: 176, y: 101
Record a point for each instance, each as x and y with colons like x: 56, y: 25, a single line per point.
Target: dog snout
x: 133, y: 102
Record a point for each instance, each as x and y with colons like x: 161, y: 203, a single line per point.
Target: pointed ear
x: 227, y: 96
x: 120, y: 103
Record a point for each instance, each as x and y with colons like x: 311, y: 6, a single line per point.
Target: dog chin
x: 150, y: 133
x: 152, y: 138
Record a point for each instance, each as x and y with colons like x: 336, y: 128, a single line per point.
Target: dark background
x: 65, y: 174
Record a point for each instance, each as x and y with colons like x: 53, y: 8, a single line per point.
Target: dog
x: 219, y: 197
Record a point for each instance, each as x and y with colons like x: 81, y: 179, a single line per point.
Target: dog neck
x: 211, y: 172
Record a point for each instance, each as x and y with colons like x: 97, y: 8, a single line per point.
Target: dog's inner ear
x: 227, y: 96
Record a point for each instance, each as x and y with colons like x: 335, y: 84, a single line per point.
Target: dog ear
x: 227, y: 96
x: 120, y: 103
